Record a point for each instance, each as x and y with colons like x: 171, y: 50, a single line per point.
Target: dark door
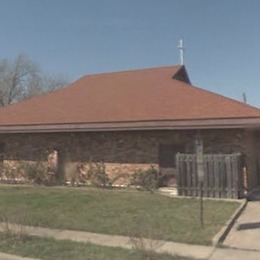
x: 167, y: 162
x: 2, y: 153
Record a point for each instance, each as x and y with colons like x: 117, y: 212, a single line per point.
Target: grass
x: 66, y: 250
x: 120, y: 212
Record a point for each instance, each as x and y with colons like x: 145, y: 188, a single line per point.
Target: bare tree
x: 39, y: 85
x: 22, y: 78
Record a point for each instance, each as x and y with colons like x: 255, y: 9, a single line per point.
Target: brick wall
x: 127, y: 150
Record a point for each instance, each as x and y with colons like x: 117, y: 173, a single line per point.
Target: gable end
x: 182, y: 75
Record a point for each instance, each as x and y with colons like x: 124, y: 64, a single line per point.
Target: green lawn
x: 120, y: 212
x: 67, y: 250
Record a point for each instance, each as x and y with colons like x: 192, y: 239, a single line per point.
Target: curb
x: 222, y: 234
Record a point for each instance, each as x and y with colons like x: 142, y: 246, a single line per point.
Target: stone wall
x: 128, y: 150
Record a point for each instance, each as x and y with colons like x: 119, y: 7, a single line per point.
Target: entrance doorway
x: 167, y: 163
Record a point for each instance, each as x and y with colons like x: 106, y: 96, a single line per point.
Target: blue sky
x: 77, y: 37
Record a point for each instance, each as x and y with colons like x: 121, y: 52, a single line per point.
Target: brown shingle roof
x: 131, y: 96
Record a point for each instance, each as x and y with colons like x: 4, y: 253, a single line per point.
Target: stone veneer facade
x: 127, y: 151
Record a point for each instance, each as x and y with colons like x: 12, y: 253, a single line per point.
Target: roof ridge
x: 134, y: 70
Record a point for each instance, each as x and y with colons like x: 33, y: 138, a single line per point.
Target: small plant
x: 97, y: 174
x: 12, y: 173
x: 24, y: 171
x: 142, y: 239
x: 35, y: 171
x: 147, y: 179
x: 11, y: 225
x: 122, y: 178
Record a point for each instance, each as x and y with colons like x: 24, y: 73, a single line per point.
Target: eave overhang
x: 221, y: 123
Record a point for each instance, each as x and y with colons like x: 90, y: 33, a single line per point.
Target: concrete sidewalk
x: 190, y: 251
x: 243, y: 240
x: 245, y: 233
x: 243, y: 244
x: 234, y: 254
x: 4, y: 256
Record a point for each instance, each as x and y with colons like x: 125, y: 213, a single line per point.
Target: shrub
x: 97, y: 174
x: 35, y: 171
x: 24, y: 171
x: 121, y: 179
x: 164, y: 178
x: 147, y: 179
x: 9, y: 172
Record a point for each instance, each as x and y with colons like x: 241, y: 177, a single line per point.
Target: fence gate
x: 223, y: 177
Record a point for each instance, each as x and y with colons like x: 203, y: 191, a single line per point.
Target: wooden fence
x: 223, y: 177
